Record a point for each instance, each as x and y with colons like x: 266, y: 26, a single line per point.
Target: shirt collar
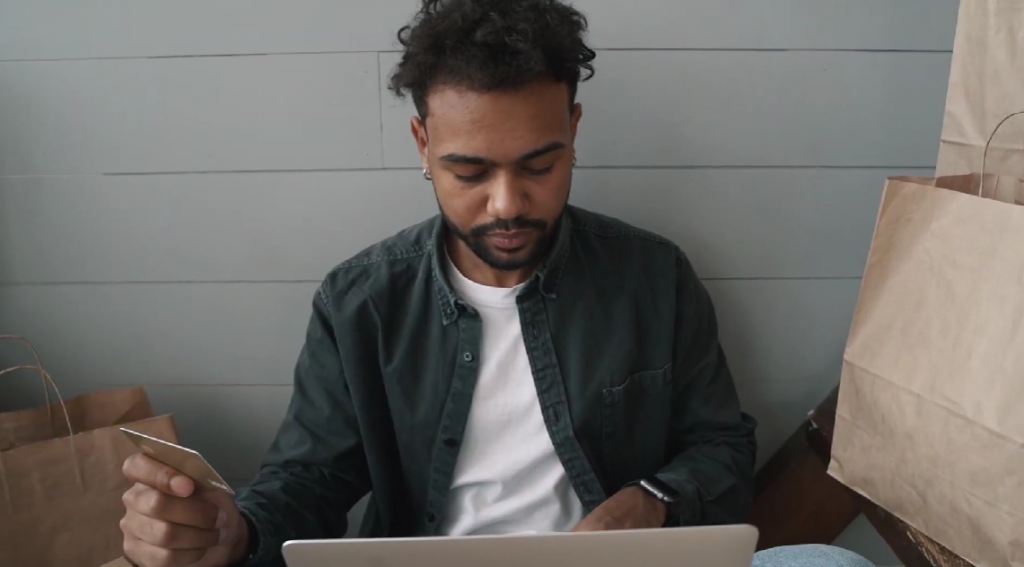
x: 546, y: 278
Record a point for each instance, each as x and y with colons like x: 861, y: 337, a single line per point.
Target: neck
x: 476, y: 270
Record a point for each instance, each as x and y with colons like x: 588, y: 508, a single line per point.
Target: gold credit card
x: 186, y: 461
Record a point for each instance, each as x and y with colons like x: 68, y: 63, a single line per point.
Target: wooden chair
x: 797, y: 502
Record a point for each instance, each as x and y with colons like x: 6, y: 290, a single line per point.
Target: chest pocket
x: 635, y: 419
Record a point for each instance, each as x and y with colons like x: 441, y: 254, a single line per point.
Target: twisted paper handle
x: 39, y: 363
x: 47, y: 384
x: 984, y: 158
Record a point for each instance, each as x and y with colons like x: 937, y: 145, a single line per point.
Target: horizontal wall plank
x: 772, y: 24
x: 198, y: 114
x: 166, y: 334
x: 69, y: 29
x: 748, y: 223
x: 741, y: 223
x: 741, y: 108
x: 73, y: 29
x: 220, y: 227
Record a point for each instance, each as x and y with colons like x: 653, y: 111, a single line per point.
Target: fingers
x: 167, y: 535
x: 141, y: 469
x: 168, y: 522
x: 147, y: 555
x: 193, y: 512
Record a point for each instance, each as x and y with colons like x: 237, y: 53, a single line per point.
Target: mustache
x: 509, y: 225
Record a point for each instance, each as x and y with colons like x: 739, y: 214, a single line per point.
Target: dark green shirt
x: 623, y: 344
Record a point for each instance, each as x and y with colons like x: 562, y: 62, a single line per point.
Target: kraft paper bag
x: 60, y: 494
x: 986, y: 83
x: 929, y: 422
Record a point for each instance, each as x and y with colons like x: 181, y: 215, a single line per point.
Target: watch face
x: 667, y: 496
x: 660, y: 490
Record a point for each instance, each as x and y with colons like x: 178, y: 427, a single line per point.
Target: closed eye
x: 471, y: 178
x: 541, y: 171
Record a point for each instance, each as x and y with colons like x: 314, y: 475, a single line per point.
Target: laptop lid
x: 711, y: 546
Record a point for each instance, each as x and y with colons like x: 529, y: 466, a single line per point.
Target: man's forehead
x: 510, y: 123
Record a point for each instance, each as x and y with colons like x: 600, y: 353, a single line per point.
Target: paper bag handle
x: 52, y: 384
x: 984, y: 157
x: 39, y: 364
x: 48, y: 383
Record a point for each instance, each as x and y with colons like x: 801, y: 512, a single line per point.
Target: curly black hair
x: 491, y: 45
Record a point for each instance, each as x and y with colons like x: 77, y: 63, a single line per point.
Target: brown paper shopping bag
x: 929, y: 423
x: 986, y: 83
x: 60, y: 493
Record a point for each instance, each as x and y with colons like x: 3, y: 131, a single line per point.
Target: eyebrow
x: 477, y: 160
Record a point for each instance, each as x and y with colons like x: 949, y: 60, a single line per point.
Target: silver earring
x: 574, y: 160
x: 426, y: 175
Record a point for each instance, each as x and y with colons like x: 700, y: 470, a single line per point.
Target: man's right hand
x: 170, y: 522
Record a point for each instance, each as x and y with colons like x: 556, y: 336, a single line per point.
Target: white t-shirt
x: 508, y: 478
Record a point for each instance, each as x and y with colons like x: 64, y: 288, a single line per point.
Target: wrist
x: 656, y: 510
x: 245, y: 542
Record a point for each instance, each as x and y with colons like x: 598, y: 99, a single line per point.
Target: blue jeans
x: 809, y: 556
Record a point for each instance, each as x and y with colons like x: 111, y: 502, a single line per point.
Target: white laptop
x: 711, y: 546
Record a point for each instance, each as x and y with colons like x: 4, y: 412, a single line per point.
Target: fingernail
x: 180, y: 485
x: 221, y: 518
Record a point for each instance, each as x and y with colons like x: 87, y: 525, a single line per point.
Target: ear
x: 419, y: 132
x: 574, y: 119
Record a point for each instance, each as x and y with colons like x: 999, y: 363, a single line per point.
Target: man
x: 513, y: 364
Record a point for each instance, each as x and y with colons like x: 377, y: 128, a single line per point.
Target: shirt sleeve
x: 712, y: 440
x: 315, y: 470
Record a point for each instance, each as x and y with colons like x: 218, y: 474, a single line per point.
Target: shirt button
x: 431, y: 518
x: 467, y: 356
x: 451, y: 442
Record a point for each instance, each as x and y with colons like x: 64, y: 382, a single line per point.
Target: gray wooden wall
x: 176, y: 177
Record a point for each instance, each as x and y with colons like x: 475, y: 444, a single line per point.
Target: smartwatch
x: 663, y: 493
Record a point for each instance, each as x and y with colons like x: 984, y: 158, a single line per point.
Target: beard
x: 476, y: 240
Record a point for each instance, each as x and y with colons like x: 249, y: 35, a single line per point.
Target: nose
x: 507, y: 199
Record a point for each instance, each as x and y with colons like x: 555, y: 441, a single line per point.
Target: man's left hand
x: 630, y: 509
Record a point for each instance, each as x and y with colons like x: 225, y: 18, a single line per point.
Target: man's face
x: 502, y: 167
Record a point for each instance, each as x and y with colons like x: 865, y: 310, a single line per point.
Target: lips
x: 510, y: 240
